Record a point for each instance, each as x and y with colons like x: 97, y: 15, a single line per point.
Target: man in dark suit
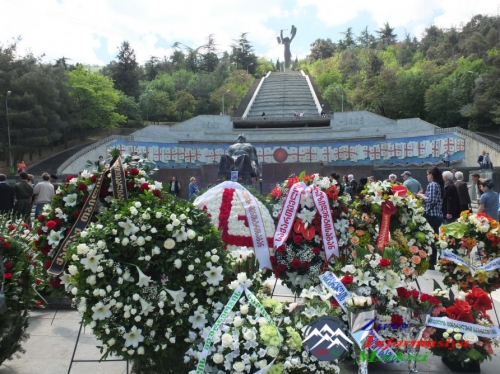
x: 451, y: 201
x: 463, y: 191
x: 6, y: 196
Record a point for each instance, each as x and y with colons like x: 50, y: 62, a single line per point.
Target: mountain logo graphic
x: 326, y: 339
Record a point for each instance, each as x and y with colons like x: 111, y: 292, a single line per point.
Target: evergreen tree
x: 125, y: 71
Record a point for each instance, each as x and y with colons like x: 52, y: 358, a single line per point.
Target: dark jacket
x: 6, y: 197
x: 176, y: 187
x: 463, y: 193
x: 451, y: 201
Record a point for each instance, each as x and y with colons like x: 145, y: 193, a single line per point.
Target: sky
x: 91, y: 31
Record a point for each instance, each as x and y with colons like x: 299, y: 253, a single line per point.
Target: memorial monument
x: 241, y: 157
x: 286, y: 42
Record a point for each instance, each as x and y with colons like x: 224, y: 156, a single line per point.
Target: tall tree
x: 348, y: 40
x: 386, y: 35
x: 125, y: 71
x: 242, y: 52
x: 321, y: 49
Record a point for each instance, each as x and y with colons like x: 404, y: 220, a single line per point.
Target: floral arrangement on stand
x: 473, y: 236
x: 302, y: 257
x: 143, y: 276
x: 57, y: 218
x: 225, y: 205
x: 393, y: 217
x: 248, y: 342
x: 19, y: 279
x: 456, y: 345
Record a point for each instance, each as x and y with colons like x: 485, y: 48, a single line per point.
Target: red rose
x: 403, y: 292
x: 51, y: 224
x: 347, y: 279
x: 276, y: 192
x: 81, y: 187
x: 41, y: 218
x: 45, y: 250
x: 396, y: 321
x: 295, y: 263
x: 130, y: 185
x: 9, y: 266
x: 281, y: 268
x: 2, y: 239
x: 281, y: 249
x: 38, y: 281
x: 334, y: 303
x: 12, y: 227
x: 93, y: 179
x: 157, y: 193
x: 47, y: 264
x: 38, y: 302
x: 55, y: 282
x: 306, y: 264
x: 6, y: 244
x: 385, y: 262
x: 316, y: 250
x: 69, y: 177
x: 415, y: 294
x: 144, y: 187
x: 7, y: 276
x: 297, y: 239
x: 39, y: 232
x: 273, y: 259
x: 77, y: 213
x: 104, y: 191
x: 134, y: 171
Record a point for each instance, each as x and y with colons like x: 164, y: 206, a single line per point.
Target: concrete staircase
x: 281, y: 94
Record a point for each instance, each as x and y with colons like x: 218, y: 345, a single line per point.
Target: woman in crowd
x: 193, y: 189
x: 433, y: 204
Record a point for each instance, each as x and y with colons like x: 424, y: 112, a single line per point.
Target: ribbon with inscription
x: 86, y: 214
x: 254, y: 218
x: 238, y: 292
x: 388, y: 209
x: 289, y: 211
x: 450, y: 256
x: 118, y: 180
x: 479, y: 330
x: 341, y: 294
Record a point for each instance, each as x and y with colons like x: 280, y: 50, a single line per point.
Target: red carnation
x: 39, y: 232
x: 316, y: 250
x: 281, y: 268
x: 130, y: 185
x: 134, y: 171
x: 45, y: 250
x: 157, y: 193
x: 306, y: 264
x: 93, y: 179
x: 273, y: 259
x: 55, y: 282
x: 41, y: 218
x: 144, y: 187
x: 297, y: 239
x: 347, y: 279
x: 295, y: 263
x: 9, y: 266
x: 69, y: 177
x: 47, y: 264
x: 81, y: 187
x: 276, y: 192
x: 6, y: 244
x: 12, y: 227
x: 385, y: 262
x: 51, y: 224
x: 2, y: 239
x: 8, y: 276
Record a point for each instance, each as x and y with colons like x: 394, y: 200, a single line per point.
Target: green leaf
x: 474, y: 354
x: 455, y: 229
x: 301, y: 175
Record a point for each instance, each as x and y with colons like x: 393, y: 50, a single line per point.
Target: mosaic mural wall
x: 415, y: 150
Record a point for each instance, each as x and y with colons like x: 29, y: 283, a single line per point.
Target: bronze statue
x: 286, y: 42
x: 241, y: 157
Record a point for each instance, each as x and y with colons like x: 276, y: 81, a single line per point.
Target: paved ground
x: 54, y: 332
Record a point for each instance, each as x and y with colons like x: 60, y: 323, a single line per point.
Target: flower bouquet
x: 253, y: 339
x: 143, y: 277
x: 468, y: 343
x: 470, y: 245
x: 394, y: 218
x: 19, y: 277
x: 58, y: 217
x: 308, y: 209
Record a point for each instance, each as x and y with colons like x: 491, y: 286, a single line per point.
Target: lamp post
x: 8, y: 129
x: 223, y: 113
x: 249, y: 66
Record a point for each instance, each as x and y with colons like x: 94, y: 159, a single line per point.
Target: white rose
x: 470, y: 337
x: 191, y: 234
x: 200, y: 238
x: 242, y: 277
x: 218, y: 358
x: 272, y: 351
x: 140, y: 350
x: 176, y: 222
x: 149, y: 322
x: 190, y: 278
x: 227, y: 340
x: 190, y: 267
x: 137, y: 204
x: 169, y: 243
x: 244, y: 309
x: 156, y: 251
x: 178, y: 263
x: 214, y: 258
x: 239, y: 366
x: 237, y: 321
x: 111, y: 342
x: 169, y: 227
x: 263, y: 321
x: 249, y: 335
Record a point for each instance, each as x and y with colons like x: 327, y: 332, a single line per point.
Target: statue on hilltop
x: 286, y: 42
x: 241, y: 157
